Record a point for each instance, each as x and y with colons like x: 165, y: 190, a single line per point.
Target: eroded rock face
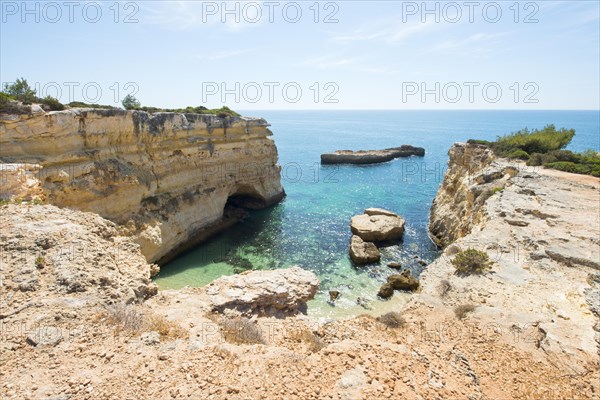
x: 362, y: 252
x: 471, y: 178
x: 166, y: 176
x: 381, y: 225
x: 277, y: 292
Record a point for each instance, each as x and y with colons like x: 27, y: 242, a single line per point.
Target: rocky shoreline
x: 78, y: 302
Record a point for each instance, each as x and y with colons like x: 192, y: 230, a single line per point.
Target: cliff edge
x: 541, y: 230
x: 165, y: 177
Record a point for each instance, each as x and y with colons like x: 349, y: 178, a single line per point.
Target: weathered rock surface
x: 382, y: 225
x: 18, y: 182
x: 166, y: 176
x: 50, y: 253
x: 403, y: 281
x: 371, y: 156
x: 275, y: 292
x: 540, y: 277
x: 362, y: 252
x: 471, y: 178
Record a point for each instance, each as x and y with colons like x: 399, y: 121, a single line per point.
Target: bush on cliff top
x: 471, y: 261
x: 17, y: 95
x: 545, y: 147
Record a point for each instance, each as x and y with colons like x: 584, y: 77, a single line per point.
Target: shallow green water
x: 310, y: 228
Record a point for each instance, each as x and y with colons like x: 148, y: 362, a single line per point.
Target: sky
x: 307, y: 54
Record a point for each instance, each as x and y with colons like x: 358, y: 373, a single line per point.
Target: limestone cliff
x: 167, y: 177
x: 472, y: 177
x: 541, y: 233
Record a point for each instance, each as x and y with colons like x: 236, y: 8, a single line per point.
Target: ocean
x: 310, y: 227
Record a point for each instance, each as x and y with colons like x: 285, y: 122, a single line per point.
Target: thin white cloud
x: 340, y: 63
x: 389, y: 31
x: 222, y: 55
x: 472, y: 43
x: 187, y: 15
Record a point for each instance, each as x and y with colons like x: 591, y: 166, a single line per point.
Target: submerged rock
x: 278, y: 292
x: 362, y: 252
x: 395, y: 265
x: 378, y: 227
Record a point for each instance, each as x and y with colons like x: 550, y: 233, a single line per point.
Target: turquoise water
x: 310, y: 228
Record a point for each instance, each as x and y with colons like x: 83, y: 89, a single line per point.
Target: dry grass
x: 311, y: 339
x: 131, y: 320
x: 166, y: 328
x: 392, y: 319
x: 462, y: 310
x: 444, y: 288
x: 241, y: 331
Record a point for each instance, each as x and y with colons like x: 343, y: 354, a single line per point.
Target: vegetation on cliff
x: 545, y: 147
x: 471, y: 261
x: 21, y: 92
x: 17, y: 97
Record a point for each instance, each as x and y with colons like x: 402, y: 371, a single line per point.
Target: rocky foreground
x: 81, y: 319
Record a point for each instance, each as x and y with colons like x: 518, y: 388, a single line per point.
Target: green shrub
x: 535, y: 141
x: 131, y: 103
x: 471, y: 261
x: 5, y: 98
x: 49, y: 103
x: 479, y: 141
x: 21, y: 91
x: 568, y: 166
x: 80, y: 104
x: 519, y: 154
x: 9, y: 105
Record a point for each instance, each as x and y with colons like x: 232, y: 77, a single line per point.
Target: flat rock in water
x: 370, y: 156
x: 377, y: 228
x: 362, y: 252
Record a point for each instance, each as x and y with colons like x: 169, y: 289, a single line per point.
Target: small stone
x: 334, y: 295
x: 150, y: 338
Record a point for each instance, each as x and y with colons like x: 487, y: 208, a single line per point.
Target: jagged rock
x: 403, y: 281
x: 459, y: 202
x: 362, y: 252
x: 379, y: 227
x: 371, y: 156
x: 386, y: 291
x: 276, y: 292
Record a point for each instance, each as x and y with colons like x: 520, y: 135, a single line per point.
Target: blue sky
x: 358, y: 55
